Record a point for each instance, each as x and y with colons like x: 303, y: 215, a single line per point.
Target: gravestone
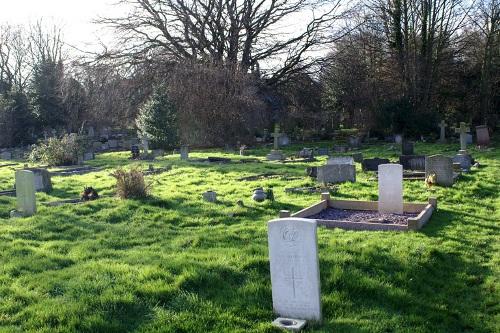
x: 398, y: 139
x: 462, y: 130
x: 25, y: 194
x: 210, y: 196
x: 276, y: 154
x: 407, y: 148
x: 442, y: 167
x: 464, y: 160
x: 390, y: 188
x: 340, y: 149
x: 336, y: 173
x: 294, y: 265
x: 442, y: 133
x: 483, y: 136
x: 184, y: 151
x: 412, y: 162
x: 88, y: 156
x: 306, y: 153
x: 357, y: 157
x: 340, y: 160
x: 6, y: 155
x: 371, y: 164
x: 354, y: 141
x: 284, y: 140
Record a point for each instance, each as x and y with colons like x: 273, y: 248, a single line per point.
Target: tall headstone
x: 462, y: 130
x: 25, y: 194
x: 390, y: 188
x: 293, y: 257
x: 145, y: 146
x: 184, y: 153
x: 442, y: 134
x: 276, y: 154
x: 483, y: 135
x: 442, y: 167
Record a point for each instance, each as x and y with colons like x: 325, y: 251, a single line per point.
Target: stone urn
x: 210, y: 196
x: 259, y: 195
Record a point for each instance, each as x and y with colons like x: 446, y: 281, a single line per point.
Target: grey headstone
x: 43, y: 182
x: 390, y: 188
x: 293, y: 257
x: 354, y: 141
x: 483, y: 135
x: 357, y: 157
x: 336, y: 173
x: 340, y: 160
x: 412, y: 162
x: 398, y: 138
x: 184, y: 152
x: 210, y: 196
x: 407, y: 148
x: 442, y: 167
x: 464, y: 159
x: 88, y: 156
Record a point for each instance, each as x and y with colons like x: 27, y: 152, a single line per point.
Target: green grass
x: 174, y: 263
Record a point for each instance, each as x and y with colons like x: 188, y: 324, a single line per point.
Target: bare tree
x: 242, y: 34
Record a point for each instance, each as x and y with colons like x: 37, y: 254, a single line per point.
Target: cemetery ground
x: 175, y: 263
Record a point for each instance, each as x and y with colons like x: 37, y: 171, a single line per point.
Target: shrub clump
x: 131, y: 184
x: 58, y: 151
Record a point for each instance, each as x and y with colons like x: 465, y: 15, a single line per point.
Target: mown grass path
x: 174, y: 263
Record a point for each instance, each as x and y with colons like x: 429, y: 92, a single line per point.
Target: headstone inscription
x: 442, y: 167
x: 390, y: 188
x: 462, y: 130
x: 293, y: 257
x: 25, y: 194
x: 442, y: 133
x: 483, y: 136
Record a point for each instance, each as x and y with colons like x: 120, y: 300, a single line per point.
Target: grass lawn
x: 174, y: 263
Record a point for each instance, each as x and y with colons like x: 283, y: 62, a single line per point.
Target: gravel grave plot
x: 370, y: 216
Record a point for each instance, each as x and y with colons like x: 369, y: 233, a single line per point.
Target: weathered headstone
x: 462, y: 130
x: 25, y: 194
x: 407, y: 148
x: 43, y: 182
x: 210, y: 196
x: 412, y: 162
x: 442, y: 167
x: 371, y: 164
x: 398, y: 139
x: 442, y: 133
x: 464, y: 159
x: 145, y: 146
x: 293, y: 257
x: 306, y: 153
x: 483, y: 136
x: 276, y: 154
x: 390, y: 188
x: 354, y: 141
x: 340, y: 160
x: 184, y: 151
x: 336, y: 173
x: 88, y: 156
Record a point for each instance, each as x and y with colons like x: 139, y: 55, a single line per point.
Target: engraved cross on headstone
x: 294, y: 279
x: 442, y: 136
x: 463, y: 129
x: 276, y: 135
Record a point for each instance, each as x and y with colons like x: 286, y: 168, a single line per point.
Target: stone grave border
x: 425, y: 211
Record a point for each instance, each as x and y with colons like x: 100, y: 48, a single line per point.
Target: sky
x: 74, y: 16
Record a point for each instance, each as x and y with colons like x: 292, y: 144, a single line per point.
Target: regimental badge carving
x: 289, y: 234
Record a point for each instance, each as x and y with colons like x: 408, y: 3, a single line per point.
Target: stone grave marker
x: 442, y: 167
x: 336, y: 173
x: 323, y: 152
x: 25, y: 194
x: 412, y: 162
x: 43, y: 182
x: 442, y: 133
x: 357, y: 157
x: 184, y: 151
x: 307, y: 153
x: 284, y: 140
x: 398, y: 139
x: 293, y: 257
x: 354, y: 141
x: 6, y: 155
x: 340, y: 160
x: 88, y: 156
x: 407, y: 148
x: 483, y: 135
x: 112, y: 144
x: 390, y: 188
x: 462, y: 130
x: 276, y: 154
x: 145, y: 146
x: 371, y: 164
x: 463, y: 159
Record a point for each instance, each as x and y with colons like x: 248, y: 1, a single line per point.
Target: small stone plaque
x: 293, y: 257
x: 390, y: 188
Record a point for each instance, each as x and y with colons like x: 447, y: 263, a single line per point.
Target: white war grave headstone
x: 293, y: 256
x: 390, y: 188
x: 25, y: 194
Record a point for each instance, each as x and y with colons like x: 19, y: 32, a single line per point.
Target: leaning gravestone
x: 442, y: 167
x: 293, y: 257
x: 390, y: 188
x: 25, y: 194
x: 371, y: 164
x: 483, y: 135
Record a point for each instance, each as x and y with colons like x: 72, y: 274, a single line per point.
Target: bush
x: 157, y: 120
x: 57, y: 152
x: 130, y: 184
